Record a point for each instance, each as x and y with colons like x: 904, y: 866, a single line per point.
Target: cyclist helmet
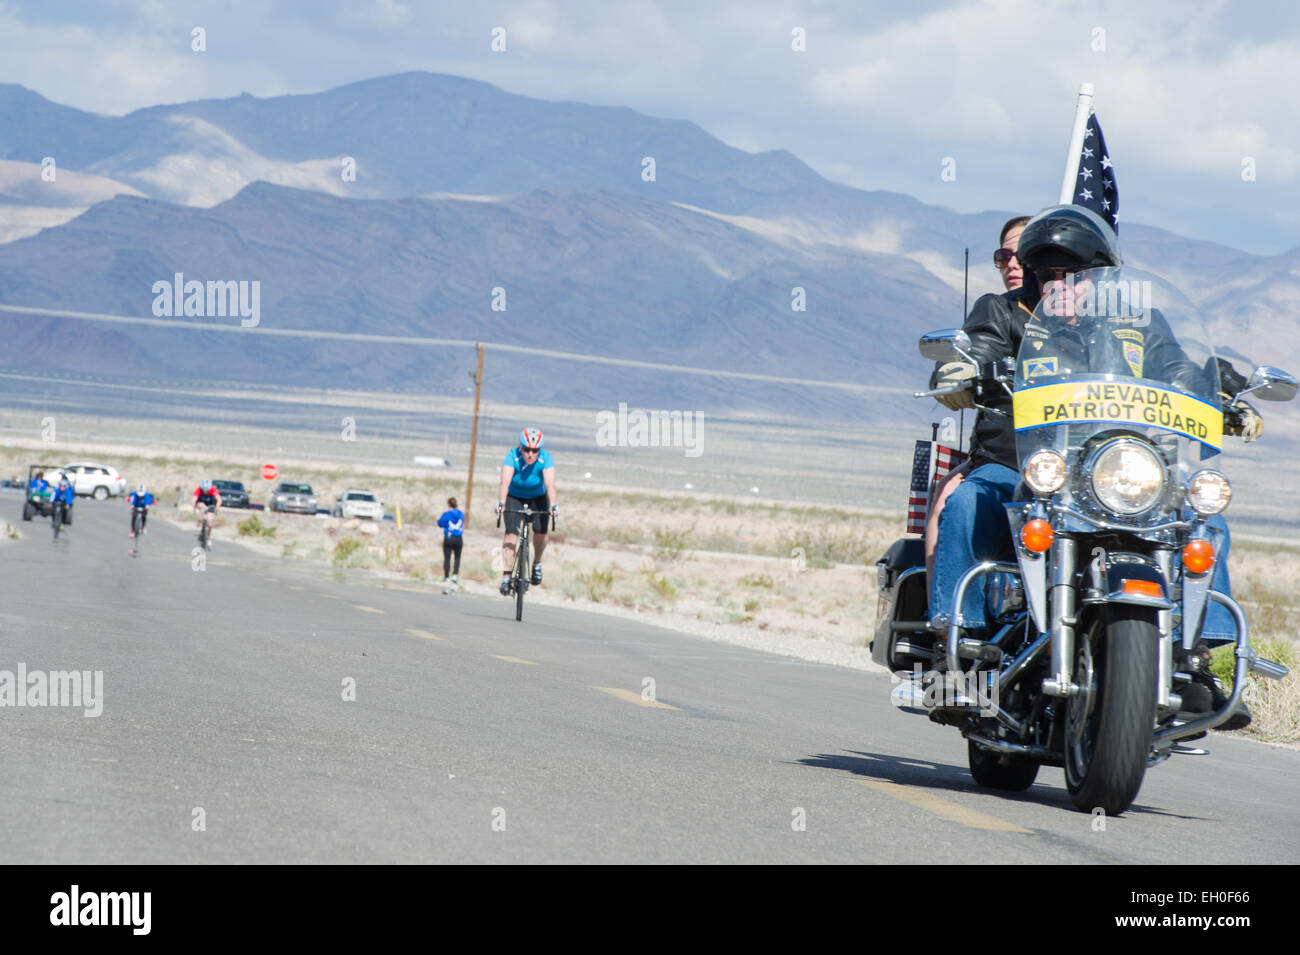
x: 140, y: 489
x: 531, y: 438
x: 205, y: 485
x: 1068, y: 237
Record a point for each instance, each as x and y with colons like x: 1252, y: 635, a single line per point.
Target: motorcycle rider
x: 1057, y: 242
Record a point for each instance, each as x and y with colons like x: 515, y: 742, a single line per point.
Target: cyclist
x: 61, y: 503
x: 209, y: 496
x: 527, y: 477
x: 140, y: 499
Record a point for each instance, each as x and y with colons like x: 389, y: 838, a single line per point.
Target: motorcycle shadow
x: 926, y: 774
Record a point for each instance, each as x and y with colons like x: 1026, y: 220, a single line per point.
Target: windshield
x: 1114, y: 353
x: 1109, y: 347
x: 361, y: 497
x: 295, y: 488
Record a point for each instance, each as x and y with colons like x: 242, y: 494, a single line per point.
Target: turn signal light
x: 1143, y: 588
x: 1037, y: 536
x: 1198, y: 556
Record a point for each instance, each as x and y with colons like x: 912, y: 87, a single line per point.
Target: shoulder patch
x: 1039, y: 367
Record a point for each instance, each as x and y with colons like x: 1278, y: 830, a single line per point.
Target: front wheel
x: 998, y: 771
x: 1108, y: 726
x: 100, y: 493
x: 27, y: 510
x: 521, y: 565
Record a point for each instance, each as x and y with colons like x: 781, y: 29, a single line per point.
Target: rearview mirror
x: 946, y: 344
x: 1272, y: 384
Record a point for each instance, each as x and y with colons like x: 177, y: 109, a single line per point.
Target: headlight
x: 1208, y: 492
x: 1045, y: 472
x: 1127, y: 476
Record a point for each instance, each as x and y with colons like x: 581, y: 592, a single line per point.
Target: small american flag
x: 931, y: 462
x: 1095, y: 187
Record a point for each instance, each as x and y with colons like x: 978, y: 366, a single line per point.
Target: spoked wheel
x: 1108, y: 726
x: 998, y: 771
x: 204, y: 530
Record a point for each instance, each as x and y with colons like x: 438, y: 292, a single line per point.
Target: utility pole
x: 473, y: 440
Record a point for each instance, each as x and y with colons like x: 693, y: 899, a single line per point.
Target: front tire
x: 996, y: 771
x: 27, y: 510
x: 101, y: 493
x: 1108, y: 726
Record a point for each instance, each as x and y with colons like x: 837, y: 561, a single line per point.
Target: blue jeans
x: 973, y: 528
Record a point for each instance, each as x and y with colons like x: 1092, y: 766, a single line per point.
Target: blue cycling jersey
x: 137, y: 500
x: 64, y: 494
x: 527, y: 482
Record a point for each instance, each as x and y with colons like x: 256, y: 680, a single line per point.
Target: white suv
x: 356, y: 503
x: 96, y: 480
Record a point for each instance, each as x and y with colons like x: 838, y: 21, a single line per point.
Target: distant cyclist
x: 140, y: 500
x: 207, y: 496
x: 527, y: 477
x: 61, y: 503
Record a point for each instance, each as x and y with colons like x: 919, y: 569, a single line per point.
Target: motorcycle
x: 1084, y: 661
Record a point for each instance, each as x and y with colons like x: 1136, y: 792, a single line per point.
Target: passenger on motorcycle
x: 527, y: 477
x: 140, y: 498
x: 1055, y: 244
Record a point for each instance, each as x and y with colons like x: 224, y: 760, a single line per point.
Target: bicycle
x: 137, y: 529
x: 59, y: 516
x: 522, y: 572
x: 205, y: 526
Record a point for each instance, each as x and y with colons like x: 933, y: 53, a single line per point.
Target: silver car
x: 294, y: 498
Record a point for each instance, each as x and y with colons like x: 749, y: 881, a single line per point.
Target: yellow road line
x: 628, y: 696
x: 531, y: 663
x: 294, y: 587
x: 330, y: 596
x: 924, y: 799
x: 424, y: 633
x: 367, y: 609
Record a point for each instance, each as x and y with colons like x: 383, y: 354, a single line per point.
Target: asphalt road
x: 225, y: 735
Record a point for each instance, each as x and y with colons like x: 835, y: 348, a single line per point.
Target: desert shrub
x: 253, y: 527
x: 345, y: 548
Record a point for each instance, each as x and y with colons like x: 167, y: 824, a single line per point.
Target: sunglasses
x: 1051, y: 275
x: 1002, y: 256
x: 523, y: 450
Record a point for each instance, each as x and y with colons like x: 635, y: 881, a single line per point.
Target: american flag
x: 931, y: 462
x: 1095, y: 187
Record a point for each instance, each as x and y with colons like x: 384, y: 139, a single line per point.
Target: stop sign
x: 270, y: 472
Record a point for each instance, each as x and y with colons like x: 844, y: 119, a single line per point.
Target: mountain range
x: 410, y: 205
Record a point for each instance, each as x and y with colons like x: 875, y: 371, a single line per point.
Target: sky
x: 1197, y: 101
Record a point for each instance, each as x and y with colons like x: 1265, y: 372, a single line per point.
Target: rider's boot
x: 1203, y: 694
x: 505, y: 586
x: 537, y: 574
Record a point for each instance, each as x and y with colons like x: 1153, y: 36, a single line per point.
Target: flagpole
x: 1081, y: 111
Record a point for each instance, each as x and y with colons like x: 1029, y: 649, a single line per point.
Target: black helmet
x: 1068, y: 237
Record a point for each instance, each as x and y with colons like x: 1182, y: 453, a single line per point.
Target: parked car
x: 297, y: 498
x: 358, y: 503
x: 233, y: 493
x: 95, y: 480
